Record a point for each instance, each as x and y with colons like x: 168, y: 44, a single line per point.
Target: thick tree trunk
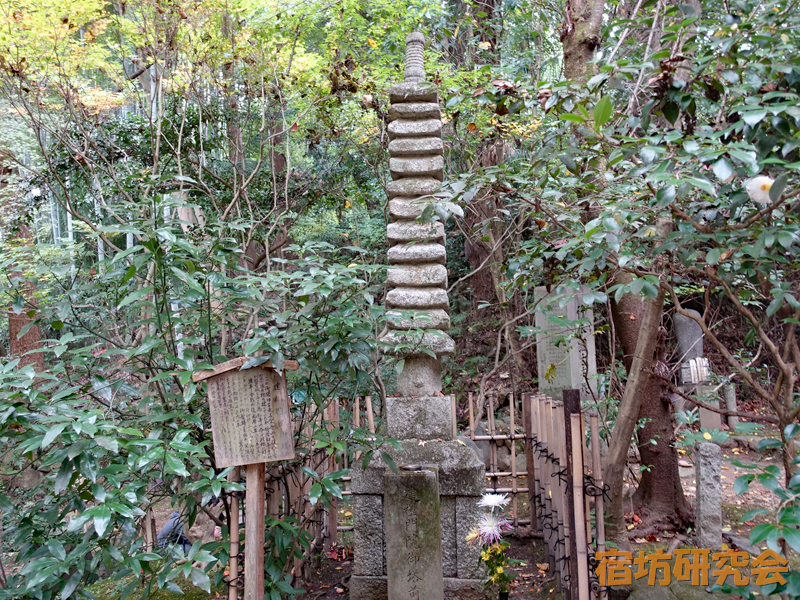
x: 580, y: 37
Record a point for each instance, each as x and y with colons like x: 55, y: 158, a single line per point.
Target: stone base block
x: 423, y: 418
x: 461, y: 472
x: 374, y: 588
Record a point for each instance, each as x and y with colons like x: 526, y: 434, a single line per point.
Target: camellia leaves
x: 723, y: 171
x: 101, y: 518
x: 602, y: 112
x: 777, y: 188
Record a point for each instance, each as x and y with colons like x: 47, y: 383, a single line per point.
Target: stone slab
x: 468, y: 514
x: 461, y: 473
x: 404, y: 128
x: 413, y: 344
x: 432, y: 166
x: 447, y: 513
x: 411, y: 232
x: 420, y: 376
x: 415, y: 146
x: 415, y: 254
x: 413, y: 534
x: 407, y: 209
x: 570, y: 365
x: 417, y: 276
x: 423, y: 418
x: 689, y: 335
x: 422, y: 319
x: 368, y: 535
x: 708, y: 418
x: 412, y: 92
x: 417, y: 298
x: 374, y: 588
x: 413, y: 186
x: 414, y: 110
x: 708, y: 509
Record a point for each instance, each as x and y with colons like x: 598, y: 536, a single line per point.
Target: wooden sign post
x: 251, y: 426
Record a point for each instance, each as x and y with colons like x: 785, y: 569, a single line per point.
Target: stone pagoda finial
x: 415, y: 49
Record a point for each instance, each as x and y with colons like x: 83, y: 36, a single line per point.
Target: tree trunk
x: 580, y: 37
x: 625, y: 424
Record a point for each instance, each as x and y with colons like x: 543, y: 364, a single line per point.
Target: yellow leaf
x: 372, y: 43
x: 485, y: 45
x: 347, y: 204
x: 631, y: 526
x: 707, y: 436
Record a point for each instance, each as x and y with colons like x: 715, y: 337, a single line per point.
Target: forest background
x: 185, y: 182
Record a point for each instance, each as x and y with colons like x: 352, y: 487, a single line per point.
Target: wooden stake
x: 254, y: 533
x: 492, y: 445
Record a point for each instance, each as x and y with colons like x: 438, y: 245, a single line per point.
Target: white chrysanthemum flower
x: 491, y: 529
x: 758, y: 189
x: 493, y: 500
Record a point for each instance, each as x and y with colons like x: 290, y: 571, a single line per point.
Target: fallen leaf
x: 340, y: 590
x: 631, y: 526
x: 707, y: 436
x: 651, y: 538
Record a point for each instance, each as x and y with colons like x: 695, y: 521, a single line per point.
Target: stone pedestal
x: 708, y: 509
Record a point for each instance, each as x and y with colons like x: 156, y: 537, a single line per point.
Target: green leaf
x: 72, y: 584
x: 602, y: 112
x: 315, y: 493
x: 742, y: 484
x: 57, y: 549
x: 671, y: 112
x: 572, y: 117
x: 101, y: 519
x: 791, y: 430
x: 712, y: 256
x: 792, y: 536
x: 760, y: 532
x: 175, y: 465
x: 389, y: 461
x: 52, y: 434
x: 201, y: 580
x: 134, y: 296
x: 665, y: 195
x: 754, y: 117
x: 722, y: 169
x: 702, y: 183
x: 777, y: 188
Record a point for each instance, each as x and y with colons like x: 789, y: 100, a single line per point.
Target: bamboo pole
x: 514, y: 507
x: 453, y: 415
x: 548, y: 503
x: 581, y: 545
x: 492, y: 445
x: 233, y: 532
x: 530, y: 474
x: 370, y: 416
x: 599, y: 513
x: 471, y: 416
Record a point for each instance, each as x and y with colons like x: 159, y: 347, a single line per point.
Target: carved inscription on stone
x: 250, y: 417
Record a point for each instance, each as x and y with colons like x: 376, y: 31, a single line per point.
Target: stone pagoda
x: 419, y: 415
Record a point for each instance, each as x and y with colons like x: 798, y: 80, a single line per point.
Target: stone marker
x: 567, y: 365
x: 413, y: 534
x: 708, y: 509
x: 689, y: 335
x: 729, y: 393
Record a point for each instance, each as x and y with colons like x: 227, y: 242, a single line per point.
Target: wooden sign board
x: 250, y: 417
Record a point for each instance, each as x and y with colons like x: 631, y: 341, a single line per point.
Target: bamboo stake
x: 530, y: 474
x: 357, y: 420
x: 598, y: 479
x: 453, y: 413
x: 233, y: 532
x: 513, y: 430
x: 471, y: 417
x: 370, y: 417
x: 492, y: 445
x: 581, y: 544
x: 549, y: 508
